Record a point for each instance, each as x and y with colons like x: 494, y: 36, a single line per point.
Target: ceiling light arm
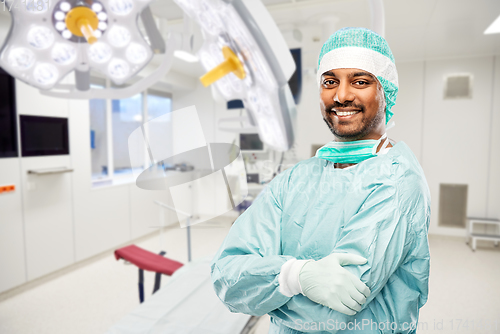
x: 82, y: 76
x: 287, y: 105
x: 156, y: 41
x: 82, y: 80
x: 378, y: 16
x: 187, y: 34
x: 70, y: 92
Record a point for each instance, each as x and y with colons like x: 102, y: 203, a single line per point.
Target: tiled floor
x: 464, y: 286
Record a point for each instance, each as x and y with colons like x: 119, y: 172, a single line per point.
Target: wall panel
x: 493, y: 209
x: 456, y: 134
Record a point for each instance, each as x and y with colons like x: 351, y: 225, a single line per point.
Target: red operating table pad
x: 146, y: 260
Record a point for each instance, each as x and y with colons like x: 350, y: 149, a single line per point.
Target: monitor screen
x: 235, y: 104
x: 295, y: 81
x: 250, y: 142
x: 8, y: 118
x: 44, y: 136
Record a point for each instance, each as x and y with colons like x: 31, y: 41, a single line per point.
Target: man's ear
x: 381, y: 95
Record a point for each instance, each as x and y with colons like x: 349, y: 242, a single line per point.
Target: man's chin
x: 348, y: 136
x: 345, y: 132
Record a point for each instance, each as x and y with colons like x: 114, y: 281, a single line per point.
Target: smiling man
x: 338, y: 243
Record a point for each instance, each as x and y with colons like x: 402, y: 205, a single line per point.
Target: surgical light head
x: 366, y: 50
x: 247, y: 59
x: 45, y: 43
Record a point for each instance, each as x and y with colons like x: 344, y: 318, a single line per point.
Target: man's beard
x: 366, y: 124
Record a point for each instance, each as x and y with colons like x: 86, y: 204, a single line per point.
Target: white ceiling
x: 415, y: 30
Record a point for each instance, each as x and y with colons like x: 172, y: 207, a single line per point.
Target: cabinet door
x: 12, y: 259
x: 48, y: 216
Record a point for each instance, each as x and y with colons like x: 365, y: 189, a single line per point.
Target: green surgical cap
x: 366, y: 50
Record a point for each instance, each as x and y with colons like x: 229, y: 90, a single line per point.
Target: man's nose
x: 344, y: 93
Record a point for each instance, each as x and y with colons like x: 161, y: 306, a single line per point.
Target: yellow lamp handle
x: 87, y: 31
x: 82, y: 22
x: 218, y: 72
x: 232, y: 64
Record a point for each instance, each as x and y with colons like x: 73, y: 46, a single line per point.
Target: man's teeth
x: 346, y: 113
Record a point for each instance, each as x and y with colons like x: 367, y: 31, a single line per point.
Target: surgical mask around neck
x: 351, y: 152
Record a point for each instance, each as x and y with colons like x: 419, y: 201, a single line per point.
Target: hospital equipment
x: 44, y: 136
x: 365, y: 50
x: 47, y: 42
x: 185, y: 304
x: 326, y: 282
x: 377, y: 16
x: 470, y: 234
x: 248, y: 59
x: 146, y: 260
x: 251, y: 143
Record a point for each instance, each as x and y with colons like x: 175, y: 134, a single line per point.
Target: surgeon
x: 338, y: 243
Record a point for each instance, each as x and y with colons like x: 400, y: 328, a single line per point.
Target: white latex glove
x: 327, y: 283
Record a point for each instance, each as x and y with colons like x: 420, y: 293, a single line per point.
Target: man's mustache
x: 336, y: 105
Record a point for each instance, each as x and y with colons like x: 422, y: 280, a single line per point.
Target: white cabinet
x: 12, y: 257
x: 48, y: 215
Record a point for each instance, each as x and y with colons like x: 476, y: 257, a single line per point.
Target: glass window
x: 127, y: 116
x: 159, y: 104
x: 159, y: 109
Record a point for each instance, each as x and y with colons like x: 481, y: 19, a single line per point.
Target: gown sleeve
x: 245, y: 269
x: 390, y: 231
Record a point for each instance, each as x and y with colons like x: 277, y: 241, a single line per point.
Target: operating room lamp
x: 50, y: 39
x: 247, y: 58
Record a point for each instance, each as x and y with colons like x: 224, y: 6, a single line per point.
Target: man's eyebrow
x: 330, y: 74
x: 351, y: 75
x: 361, y: 74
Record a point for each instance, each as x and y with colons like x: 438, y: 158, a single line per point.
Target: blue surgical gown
x: 379, y: 209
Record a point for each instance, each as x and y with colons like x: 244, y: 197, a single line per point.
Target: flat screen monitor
x: 42, y: 135
x: 235, y: 104
x: 295, y: 81
x: 250, y: 142
x: 8, y: 117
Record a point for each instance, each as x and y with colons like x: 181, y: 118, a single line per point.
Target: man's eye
x: 329, y: 82
x: 361, y: 83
